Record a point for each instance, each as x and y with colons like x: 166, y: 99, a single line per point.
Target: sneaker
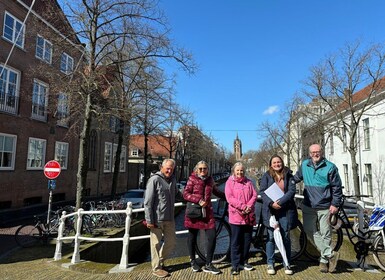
x: 288, y: 270
x: 333, y: 261
x: 210, y: 268
x: 160, y: 273
x: 323, y: 267
x: 234, y: 271
x: 194, y: 266
x: 247, y: 266
x: 270, y: 270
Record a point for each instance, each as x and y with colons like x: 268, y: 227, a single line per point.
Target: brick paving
x: 38, y: 264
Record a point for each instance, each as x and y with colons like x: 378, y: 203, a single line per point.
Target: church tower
x: 237, y: 148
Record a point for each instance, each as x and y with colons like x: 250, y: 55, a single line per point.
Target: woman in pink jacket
x: 241, y: 196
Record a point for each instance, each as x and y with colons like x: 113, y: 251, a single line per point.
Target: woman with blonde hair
x: 198, y: 190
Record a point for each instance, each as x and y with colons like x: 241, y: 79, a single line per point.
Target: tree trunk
x: 356, y: 182
x: 115, y: 176
x: 83, y: 155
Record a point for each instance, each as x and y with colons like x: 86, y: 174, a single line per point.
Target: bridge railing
x: 78, y: 237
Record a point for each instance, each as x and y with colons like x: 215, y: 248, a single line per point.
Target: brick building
x: 38, y: 52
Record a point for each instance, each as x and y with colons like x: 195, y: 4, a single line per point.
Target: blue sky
x: 253, y: 55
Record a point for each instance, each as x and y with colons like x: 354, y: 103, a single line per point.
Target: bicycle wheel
x: 379, y: 251
x: 28, y: 235
x: 222, y: 248
x: 312, y: 252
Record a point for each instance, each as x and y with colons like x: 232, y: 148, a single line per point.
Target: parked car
x: 136, y: 196
x: 181, y: 185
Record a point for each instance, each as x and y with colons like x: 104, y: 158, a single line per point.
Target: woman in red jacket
x: 198, y: 190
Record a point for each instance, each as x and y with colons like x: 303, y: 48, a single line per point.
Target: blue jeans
x: 270, y: 245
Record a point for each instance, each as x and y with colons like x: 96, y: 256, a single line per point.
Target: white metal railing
x: 77, y: 238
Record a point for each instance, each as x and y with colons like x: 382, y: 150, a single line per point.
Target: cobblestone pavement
x: 48, y: 269
x: 37, y: 263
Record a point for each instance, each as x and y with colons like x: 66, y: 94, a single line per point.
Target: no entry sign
x: 52, y: 169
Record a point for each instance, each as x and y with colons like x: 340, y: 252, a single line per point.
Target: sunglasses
x: 202, y: 168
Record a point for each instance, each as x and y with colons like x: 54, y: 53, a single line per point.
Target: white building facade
x: 370, y: 154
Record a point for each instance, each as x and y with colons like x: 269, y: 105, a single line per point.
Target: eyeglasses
x: 315, y: 152
x: 202, y: 168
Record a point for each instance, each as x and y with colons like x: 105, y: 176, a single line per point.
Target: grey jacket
x: 159, y: 199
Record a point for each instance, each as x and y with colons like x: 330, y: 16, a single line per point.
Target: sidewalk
x: 37, y: 263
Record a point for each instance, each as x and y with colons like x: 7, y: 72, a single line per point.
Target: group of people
x: 322, y: 197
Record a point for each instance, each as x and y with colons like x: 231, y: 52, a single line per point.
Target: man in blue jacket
x: 322, y: 197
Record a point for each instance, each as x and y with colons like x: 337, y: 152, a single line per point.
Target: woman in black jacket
x: 284, y: 209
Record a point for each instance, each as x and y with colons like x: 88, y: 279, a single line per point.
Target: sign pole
x: 49, y: 207
x: 52, y: 170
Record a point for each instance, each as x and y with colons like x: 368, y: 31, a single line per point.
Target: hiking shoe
x: 323, y: 267
x: 210, y: 268
x: 247, y: 266
x: 333, y: 261
x: 234, y: 271
x: 270, y: 270
x: 288, y: 270
x: 160, y: 273
x: 194, y: 266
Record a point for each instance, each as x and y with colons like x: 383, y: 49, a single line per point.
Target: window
x: 123, y: 159
x: 114, y: 124
x: 366, y: 133
x: 39, y: 100
x: 43, y: 49
x: 62, y: 109
x: 368, y: 179
x: 346, y: 178
x: 107, y: 157
x: 13, y: 30
x: 122, y: 165
x: 135, y: 152
x: 61, y: 154
x: 66, y: 63
x: 36, y: 153
x: 7, y: 151
x: 9, y: 90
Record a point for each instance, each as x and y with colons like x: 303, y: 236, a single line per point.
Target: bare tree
x: 335, y: 80
x: 103, y: 26
x: 379, y: 181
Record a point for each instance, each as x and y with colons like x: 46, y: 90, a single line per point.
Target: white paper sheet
x: 274, y: 192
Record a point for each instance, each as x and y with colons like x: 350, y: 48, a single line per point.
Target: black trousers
x: 240, y: 244
x: 210, y: 243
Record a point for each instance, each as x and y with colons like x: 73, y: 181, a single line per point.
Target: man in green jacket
x: 322, y: 197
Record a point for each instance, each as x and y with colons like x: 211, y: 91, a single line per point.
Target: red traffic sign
x: 52, y: 169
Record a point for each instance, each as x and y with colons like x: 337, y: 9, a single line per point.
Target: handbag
x: 194, y: 210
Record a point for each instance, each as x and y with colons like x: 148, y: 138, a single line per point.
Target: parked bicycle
x: 365, y: 238
x: 260, y: 236
x: 40, y: 231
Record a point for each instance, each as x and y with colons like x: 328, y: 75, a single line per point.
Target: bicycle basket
x: 377, y: 219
